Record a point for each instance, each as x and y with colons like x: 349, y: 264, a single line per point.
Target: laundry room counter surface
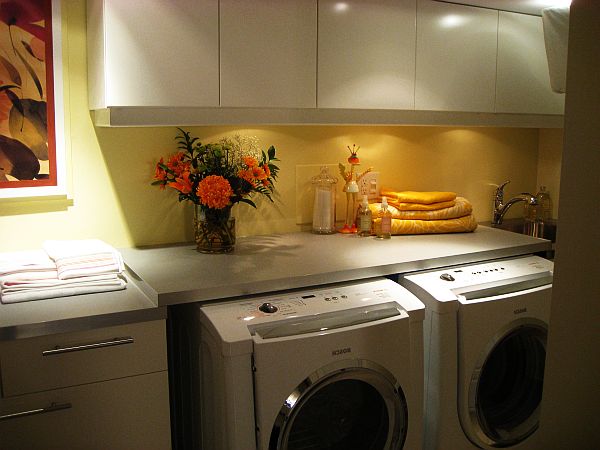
x: 260, y: 264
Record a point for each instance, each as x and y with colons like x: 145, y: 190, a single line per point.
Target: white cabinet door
x: 523, y: 84
x: 366, y: 54
x: 156, y: 54
x: 456, y: 57
x: 268, y: 53
x: 124, y: 414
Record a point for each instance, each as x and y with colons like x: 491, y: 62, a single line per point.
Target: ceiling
x: 523, y: 6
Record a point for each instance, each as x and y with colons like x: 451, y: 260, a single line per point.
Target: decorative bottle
x: 364, y: 218
x: 324, y: 204
x: 383, y: 227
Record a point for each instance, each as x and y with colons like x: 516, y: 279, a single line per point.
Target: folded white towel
x: 84, y: 257
x: 27, y: 264
x: 62, y: 290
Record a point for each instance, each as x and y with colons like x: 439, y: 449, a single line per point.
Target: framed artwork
x: 32, y: 149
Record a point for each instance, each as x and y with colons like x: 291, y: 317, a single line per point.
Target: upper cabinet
x: 209, y: 62
x: 456, y: 57
x: 268, y: 53
x: 159, y: 54
x: 366, y: 54
x: 523, y: 84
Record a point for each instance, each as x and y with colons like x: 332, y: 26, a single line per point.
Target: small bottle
x: 384, y: 224
x: 364, y: 218
x: 545, y: 203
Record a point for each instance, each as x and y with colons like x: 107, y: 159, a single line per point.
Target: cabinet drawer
x: 61, y: 360
x: 129, y: 413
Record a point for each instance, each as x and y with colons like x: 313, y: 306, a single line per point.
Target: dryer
x: 333, y: 367
x: 485, y: 336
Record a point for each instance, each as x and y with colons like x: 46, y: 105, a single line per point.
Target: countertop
x: 168, y: 275
x: 78, y: 313
x: 179, y: 274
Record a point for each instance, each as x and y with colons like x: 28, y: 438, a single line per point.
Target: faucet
x: 500, y: 208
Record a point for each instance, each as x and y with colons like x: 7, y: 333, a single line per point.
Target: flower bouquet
x: 214, y: 177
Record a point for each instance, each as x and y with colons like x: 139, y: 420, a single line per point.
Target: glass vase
x: 214, y: 230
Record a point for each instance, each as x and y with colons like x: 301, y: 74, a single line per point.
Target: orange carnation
x: 214, y: 191
x: 250, y: 161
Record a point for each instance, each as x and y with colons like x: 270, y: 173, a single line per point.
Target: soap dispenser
x: 324, y: 204
x: 364, y: 218
x: 383, y: 225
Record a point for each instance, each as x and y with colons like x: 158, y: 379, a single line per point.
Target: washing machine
x: 485, y: 333
x: 331, y: 367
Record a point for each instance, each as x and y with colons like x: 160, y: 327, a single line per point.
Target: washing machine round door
x: 351, y: 408
x: 506, y: 389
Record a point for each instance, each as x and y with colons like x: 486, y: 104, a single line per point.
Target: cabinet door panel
x: 456, y: 57
x: 523, y: 78
x: 60, y: 360
x: 366, y: 54
x: 156, y: 54
x: 129, y: 413
x: 268, y: 53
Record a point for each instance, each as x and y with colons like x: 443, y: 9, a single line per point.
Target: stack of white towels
x: 62, y: 268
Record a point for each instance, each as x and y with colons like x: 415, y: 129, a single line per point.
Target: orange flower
x: 177, y: 164
x: 214, y: 191
x: 182, y: 184
x: 267, y: 170
x: 250, y: 161
x: 258, y: 173
x: 247, y: 175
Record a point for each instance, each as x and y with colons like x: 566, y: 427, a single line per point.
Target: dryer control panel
x: 446, y: 285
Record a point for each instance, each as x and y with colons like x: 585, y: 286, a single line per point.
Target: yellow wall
x: 111, y: 169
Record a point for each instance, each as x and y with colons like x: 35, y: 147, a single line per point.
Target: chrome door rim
x: 481, y: 431
x: 361, y: 370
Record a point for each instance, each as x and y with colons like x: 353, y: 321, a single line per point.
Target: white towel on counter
x: 13, y: 292
x: 61, y: 269
x: 27, y: 265
x: 85, y: 257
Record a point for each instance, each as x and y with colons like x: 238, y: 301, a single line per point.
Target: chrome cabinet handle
x: 53, y: 407
x: 76, y: 348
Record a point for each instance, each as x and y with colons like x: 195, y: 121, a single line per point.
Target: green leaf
x: 271, y: 152
x: 248, y: 201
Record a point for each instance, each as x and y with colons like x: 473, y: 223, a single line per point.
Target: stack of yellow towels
x: 427, y: 212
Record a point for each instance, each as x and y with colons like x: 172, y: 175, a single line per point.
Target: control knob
x: 447, y: 277
x: 268, y: 308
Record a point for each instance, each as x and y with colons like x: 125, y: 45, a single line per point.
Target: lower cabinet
x: 103, y: 388
x: 128, y: 413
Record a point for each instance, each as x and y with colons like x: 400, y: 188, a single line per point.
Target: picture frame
x: 32, y: 122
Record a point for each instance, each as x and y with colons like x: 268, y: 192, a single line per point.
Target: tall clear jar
x: 324, y: 185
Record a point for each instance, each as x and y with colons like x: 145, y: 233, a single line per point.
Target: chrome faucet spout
x: 501, y: 208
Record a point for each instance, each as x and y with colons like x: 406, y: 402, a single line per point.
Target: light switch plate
x: 369, y: 185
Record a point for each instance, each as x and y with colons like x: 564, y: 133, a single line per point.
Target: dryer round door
x: 343, y: 408
x: 506, y: 387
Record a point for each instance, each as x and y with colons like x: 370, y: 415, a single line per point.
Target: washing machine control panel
x: 316, y: 301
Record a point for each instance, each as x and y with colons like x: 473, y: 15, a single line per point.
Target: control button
x: 327, y: 299
x: 334, y: 298
x: 268, y: 308
x: 447, y: 277
x: 344, y: 296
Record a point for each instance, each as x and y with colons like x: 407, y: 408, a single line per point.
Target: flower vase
x: 214, y: 230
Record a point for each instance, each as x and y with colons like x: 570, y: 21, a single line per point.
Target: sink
x: 546, y: 231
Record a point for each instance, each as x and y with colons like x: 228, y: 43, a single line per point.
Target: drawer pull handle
x: 53, y: 407
x: 116, y: 341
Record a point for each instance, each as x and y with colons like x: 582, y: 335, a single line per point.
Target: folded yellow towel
x: 458, y: 225
x: 425, y: 198
x: 461, y: 208
x: 403, y: 206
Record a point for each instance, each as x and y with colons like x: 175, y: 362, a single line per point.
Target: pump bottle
x: 364, y: 218
x: 383, y: 227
